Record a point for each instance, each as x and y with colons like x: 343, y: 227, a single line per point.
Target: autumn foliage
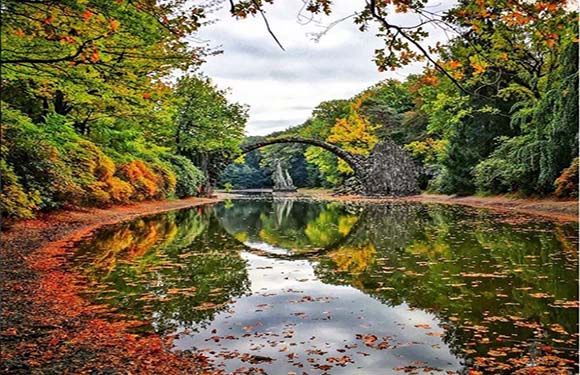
x: 567, y: 183
x: 48, y: 165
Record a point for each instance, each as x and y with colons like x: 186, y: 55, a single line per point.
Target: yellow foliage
x: 241, y: 236
x: 354, y: 259
x: 429, y: 150
x: 120, y: 190
x: 131, y: 243
x: 95, y: 171
x: 354, y: 133
x: 345, y: 224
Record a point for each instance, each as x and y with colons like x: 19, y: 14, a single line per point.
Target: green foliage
x: 386, y: 107
x: 205, y: 120
x: 14, y: 201
x: 89, y: 117
x: 189, y: 177
x: 94, y: 61
x: 505, y: 170
x: 37, y: 160
x: 548, y: 142
x: 48, y: 165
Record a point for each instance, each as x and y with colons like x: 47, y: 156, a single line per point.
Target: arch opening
x: 354, y: 161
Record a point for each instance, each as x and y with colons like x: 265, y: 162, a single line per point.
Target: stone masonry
x: 386, y: 172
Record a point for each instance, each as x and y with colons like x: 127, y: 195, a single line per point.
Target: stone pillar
x: 388, y: 171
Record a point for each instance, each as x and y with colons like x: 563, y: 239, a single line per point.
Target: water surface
x: 282, y: 286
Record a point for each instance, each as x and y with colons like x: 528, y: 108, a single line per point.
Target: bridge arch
x: 386, y: 172
x: 356, y: 162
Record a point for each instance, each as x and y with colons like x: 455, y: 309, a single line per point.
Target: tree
x: 548, y: 142
x: 95, y: 61
x: 537, y: 23
x: 206, y: 127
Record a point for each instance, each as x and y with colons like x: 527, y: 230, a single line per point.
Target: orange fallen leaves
x: 69, y: 326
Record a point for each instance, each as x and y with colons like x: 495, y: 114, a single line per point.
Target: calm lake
x: 295, y: 286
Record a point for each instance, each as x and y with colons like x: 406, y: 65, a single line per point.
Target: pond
x: 281, y: 286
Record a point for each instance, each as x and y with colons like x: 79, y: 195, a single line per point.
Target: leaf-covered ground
x: 47, y: 328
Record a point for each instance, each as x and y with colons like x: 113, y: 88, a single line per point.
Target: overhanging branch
x: 78, y: 52
x: 401, y: 31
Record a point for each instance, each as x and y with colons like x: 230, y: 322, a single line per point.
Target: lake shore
x: 550, y: 208
x: 48, y: 327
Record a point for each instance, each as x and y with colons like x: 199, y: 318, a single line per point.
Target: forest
x: 518, y: 133
x: 103, y: 103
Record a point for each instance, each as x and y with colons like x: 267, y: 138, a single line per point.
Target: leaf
x: 114, y: 25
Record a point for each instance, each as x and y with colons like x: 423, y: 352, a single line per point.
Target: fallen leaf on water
x: 541, y: 295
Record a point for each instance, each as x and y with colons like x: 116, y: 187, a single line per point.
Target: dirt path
x: 47, y: 328
x: 559, y: 210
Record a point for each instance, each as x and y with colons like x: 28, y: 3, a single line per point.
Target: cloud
x: 282, y: 87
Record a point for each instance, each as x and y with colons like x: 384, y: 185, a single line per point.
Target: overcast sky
x: 283, y: 87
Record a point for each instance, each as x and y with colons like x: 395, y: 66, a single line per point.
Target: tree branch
x: 268, y: 26
x: 387, y: 25
x: 78, y: 52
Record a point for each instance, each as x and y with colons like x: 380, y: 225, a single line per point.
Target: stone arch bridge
x: 386, y: 171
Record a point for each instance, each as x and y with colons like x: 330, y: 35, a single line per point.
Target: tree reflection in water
x: 489, y: 280
x: 494, y: 283
x: 162, y: 268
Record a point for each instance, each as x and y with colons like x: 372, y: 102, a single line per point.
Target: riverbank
x: 554, y: 209
x: 48, y: 328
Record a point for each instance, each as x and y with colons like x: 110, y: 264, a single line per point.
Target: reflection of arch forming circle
x: 354, y: 231
x: 386, y: 171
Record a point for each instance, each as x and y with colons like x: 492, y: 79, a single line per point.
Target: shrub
x: 48, y: 165
x: 189, y: 177
x: 567, y: 184
x: 497, y: 176
x: 509, y: 168
x: 93, y: 171
x: 15, y: 202
x: 153, y: 157
x: 146, y: 183
x: 37, y: 161
x: 168, y: 179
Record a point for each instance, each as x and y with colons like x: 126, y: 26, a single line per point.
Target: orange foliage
x: 567, y: 183
x: 95, y: 171
x: 429, y: 80
x: 145, y: 181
